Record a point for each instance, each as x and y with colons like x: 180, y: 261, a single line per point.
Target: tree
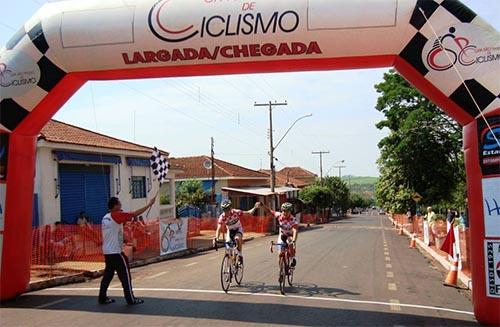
x: 316, y: 196
x: 339, y: 190
x: 358, y: 201
x: 191, y: 192
x: 421, y: 154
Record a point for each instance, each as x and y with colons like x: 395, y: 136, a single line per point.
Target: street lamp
x: 273, y: 168
x: 288, y: 130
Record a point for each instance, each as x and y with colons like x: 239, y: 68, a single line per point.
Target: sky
x: 180, y: 115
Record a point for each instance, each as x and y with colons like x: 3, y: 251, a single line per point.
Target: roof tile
x: 193, y: 168
x: 59, y: 132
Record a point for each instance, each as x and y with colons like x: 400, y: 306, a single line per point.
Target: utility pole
x: 340, y: 170
x: 213, y: 169
x: 272, y: 182
x: 321, y: 153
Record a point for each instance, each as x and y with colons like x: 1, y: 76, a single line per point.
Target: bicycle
x: 285, y: 269
x: 231, y: 266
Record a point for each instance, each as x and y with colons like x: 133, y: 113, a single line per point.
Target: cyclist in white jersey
x: 230, y: 218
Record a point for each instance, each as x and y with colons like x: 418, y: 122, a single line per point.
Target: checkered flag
x: 159, y: 165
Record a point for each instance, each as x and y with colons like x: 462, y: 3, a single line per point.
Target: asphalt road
x: 355, y: 272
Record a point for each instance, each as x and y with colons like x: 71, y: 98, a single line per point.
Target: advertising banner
x: 173, y: 235
x: 489, y: 150
x: 492, y: 257
x: 426, y: 233
x: 491, y: 206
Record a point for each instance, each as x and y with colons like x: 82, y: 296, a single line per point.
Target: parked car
x: 381, y: 212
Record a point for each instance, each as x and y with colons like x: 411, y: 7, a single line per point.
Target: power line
x: 182, y: 112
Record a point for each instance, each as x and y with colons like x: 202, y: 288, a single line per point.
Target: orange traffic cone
x: 452, y: 277
x: 413, y: 242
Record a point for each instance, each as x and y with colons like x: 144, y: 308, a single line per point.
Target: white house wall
x: 49, y: 206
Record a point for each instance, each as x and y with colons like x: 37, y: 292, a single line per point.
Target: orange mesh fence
x: 54, y: 244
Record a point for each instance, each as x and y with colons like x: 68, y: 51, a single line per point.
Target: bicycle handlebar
x: 224, y: 243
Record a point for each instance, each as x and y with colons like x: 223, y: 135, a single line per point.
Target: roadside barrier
x: 452, y: 277
x: 413, y: 241
x: 437, y: 235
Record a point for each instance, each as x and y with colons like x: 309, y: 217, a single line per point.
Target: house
x: 242, y: 185
x: 78, y: 170
x: 298, y: 173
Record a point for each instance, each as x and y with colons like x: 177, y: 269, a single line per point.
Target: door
x: 83, y: 188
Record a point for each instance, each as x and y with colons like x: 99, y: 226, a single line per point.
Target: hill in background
x: 362, y: 185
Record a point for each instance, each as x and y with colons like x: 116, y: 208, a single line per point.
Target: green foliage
x: 164, y: 199
x: 340, y: 192
x: 332, y: 193
x: 364, y: 186
x: 316, y: 196
x: 191, y: 192
x: 421, y: 154
x: 359, y: 201
x: 360, y: 180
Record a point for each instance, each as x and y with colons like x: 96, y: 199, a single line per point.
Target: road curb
x: 445, y: 263
x: 88, y: 275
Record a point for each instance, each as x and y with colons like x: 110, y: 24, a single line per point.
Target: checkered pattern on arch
x: 32, y: 41
x: 486, y: 94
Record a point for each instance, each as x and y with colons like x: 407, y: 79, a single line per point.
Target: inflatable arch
x: 440, y: 46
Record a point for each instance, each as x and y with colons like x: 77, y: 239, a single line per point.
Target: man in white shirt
x: 112, y: 248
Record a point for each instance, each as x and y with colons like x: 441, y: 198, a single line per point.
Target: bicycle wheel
x: 282, y: 277
x: 238, y: 273
x: 225, y: 273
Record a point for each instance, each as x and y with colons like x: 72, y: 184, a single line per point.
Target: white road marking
x: 51, y: 303
x: 389, y: 274
x: 114, y: 285
x: 395, y: 305
x: 213, y: 258
x: 157, y: 275
x: 387, y: 259
x: 386, y: 253
x: 191, y: 264
x: 388, y: 265
x: 392, y: 287
x: 308, y: 298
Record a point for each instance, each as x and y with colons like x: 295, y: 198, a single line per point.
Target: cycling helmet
x: 287, y: 206
x: 226, y: 204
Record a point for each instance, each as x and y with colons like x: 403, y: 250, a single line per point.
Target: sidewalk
x: 439, y: 256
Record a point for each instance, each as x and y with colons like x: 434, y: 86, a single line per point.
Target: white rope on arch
x: 459, y: 76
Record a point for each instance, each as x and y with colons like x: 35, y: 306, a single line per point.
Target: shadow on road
x: 302, y: 289
x: 225, y: 308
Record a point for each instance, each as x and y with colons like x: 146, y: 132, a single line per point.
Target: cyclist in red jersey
x: 289, y: 227
x: 230, y: 218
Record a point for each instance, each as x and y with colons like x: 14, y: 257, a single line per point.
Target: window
x: 138, y: 187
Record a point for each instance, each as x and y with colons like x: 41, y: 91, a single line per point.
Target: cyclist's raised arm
x: 252, y: 211
x: 266, y: 208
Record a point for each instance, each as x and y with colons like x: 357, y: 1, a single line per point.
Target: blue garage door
x: 83, y: 188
